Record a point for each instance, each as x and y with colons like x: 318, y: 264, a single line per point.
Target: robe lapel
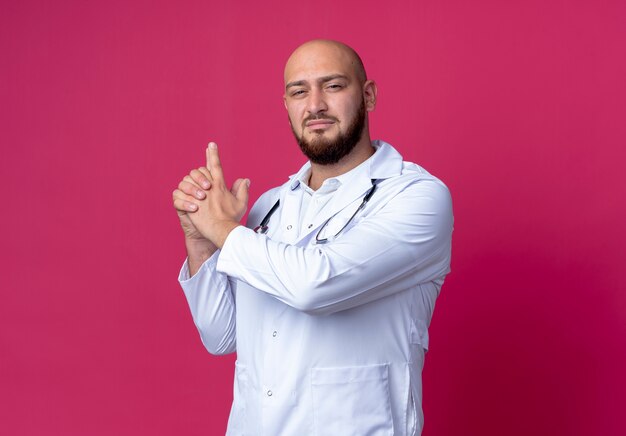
x: 386, y: 162
x: 353, y: 189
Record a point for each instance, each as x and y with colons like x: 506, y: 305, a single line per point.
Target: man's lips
x: 319, y: 124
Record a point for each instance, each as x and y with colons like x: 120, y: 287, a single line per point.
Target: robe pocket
x: 352, y: 401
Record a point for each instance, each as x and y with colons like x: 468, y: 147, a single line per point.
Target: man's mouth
x: 319, y: 124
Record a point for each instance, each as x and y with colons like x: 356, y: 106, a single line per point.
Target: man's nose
x: 316, y: 102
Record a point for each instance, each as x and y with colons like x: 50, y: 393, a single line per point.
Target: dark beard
x: 327, y: 152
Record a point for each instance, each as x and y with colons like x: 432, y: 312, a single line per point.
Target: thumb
x: 236, y: 186
x: 242, y: 190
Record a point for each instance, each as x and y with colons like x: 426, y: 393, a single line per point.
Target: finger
x: 206, y: 172
x: 200, y: 178
x: 191, y: 181
x: 242, y: 191
x: 191, y: 189
x: 213, y: 163
x: 188, y: 179
x: 235, y: 187
x: 183, y: 202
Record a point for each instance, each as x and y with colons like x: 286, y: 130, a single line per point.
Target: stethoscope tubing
x: 262, y: 228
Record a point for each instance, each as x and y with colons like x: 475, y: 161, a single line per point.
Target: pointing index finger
x: 213, y: 162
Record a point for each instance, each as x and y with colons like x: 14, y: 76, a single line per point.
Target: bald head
x: 312, y: 54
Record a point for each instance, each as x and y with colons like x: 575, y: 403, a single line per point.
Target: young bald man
x: 327, y: 293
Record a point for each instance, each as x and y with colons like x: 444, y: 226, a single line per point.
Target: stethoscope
x: 262, y: 228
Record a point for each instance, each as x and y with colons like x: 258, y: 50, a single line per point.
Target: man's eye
x: 334, y: 86
x: 297, y: 92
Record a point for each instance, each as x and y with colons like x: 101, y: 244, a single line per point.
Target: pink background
x: 519, y: 106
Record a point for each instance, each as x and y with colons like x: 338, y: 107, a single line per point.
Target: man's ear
x: 370, y: 90
x: 285, y: 100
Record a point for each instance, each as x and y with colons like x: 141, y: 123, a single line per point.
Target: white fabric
x: 330, y: 338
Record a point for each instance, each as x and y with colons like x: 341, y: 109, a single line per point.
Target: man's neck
x: 361, y: 152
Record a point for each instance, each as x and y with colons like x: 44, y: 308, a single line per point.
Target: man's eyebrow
x: 296, y: 83
x: 331, y: 77
x: 320, y: 80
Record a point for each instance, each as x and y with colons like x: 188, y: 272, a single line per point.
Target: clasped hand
x: 207, y: 209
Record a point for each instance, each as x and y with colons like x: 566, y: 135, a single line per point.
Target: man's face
x: 325, y: 102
